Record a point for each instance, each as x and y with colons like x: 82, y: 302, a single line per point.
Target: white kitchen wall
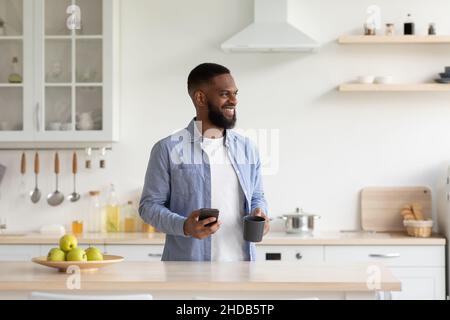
x: 331, y: 144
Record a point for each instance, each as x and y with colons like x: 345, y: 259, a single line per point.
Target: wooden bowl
x: 62, y: 266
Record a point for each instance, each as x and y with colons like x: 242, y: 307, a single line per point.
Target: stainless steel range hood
x: 270, y: 32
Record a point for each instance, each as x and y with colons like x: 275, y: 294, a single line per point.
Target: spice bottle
x: 431, y: 29
x: 409, y: 26
x: 390, y: 29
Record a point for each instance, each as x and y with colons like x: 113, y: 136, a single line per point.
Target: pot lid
x: 299, y: 212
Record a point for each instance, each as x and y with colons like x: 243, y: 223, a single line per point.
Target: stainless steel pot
x: 299, y: 222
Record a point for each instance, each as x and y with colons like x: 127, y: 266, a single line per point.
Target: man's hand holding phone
x: 202, y: 223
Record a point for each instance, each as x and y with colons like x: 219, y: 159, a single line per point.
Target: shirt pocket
x: 185, y: 181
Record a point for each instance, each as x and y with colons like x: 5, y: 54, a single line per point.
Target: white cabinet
x: 421, y: 269
x: 69, y: 86
x: 303, y: 254
x: 19, y: 252
x: 420, y: 283
x: 138, y: 252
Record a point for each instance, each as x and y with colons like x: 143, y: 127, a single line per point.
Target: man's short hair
x: 203, y: 74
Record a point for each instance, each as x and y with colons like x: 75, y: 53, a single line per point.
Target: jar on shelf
x: 432, y: 29
x: 390, y: 29
x: 370, y: 29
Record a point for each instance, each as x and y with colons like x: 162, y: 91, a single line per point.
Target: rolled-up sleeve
x: 258, y: 198
x: 156, y: 194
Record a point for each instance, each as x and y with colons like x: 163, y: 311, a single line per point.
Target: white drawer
x: 398, y: 256
x: 306, y: 254
x: 136, y: 252
x: 18, y: 252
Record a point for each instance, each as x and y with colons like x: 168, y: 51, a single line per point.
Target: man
x: 206, y: 165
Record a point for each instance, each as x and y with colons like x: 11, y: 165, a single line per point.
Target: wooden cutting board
x: 380, y: 206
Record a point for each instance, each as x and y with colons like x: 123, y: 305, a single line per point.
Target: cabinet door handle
x: 38, y: 117
x: 155, y: 255
x: 384, y: 255
x: 298, y: 255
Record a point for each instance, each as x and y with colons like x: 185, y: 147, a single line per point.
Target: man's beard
x: 218, y: 119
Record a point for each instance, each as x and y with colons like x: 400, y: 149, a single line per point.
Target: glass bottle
x: 112, y: 211
x: 409, y: 26
x: 129, y: 220
x: 95, y: 212
x: 14, y: 76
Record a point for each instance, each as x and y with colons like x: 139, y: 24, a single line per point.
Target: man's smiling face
x: 222, y: 101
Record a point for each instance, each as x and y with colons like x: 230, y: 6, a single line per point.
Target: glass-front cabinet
x: 16, y: 74
x: 57, y: 61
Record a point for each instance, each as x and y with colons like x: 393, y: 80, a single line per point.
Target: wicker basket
x: 418, y: 228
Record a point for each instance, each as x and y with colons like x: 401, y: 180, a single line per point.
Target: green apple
x: 68, y: 242
x: 56, y: 254
x: 94, y: 254
x: 76, y: 254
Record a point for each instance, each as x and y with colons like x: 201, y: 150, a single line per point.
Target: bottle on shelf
x: 431, y: 29
x: 409, y: 26
x: 94, y: 221
x: 14, y: 76
x: 112, y: 211
x: 390, y: 29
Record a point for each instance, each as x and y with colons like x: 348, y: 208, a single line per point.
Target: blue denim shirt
x: 178, y: 181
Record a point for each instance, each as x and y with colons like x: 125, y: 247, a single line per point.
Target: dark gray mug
x: 253, y: 228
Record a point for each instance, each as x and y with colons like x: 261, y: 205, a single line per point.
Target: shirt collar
x: 197, y: 136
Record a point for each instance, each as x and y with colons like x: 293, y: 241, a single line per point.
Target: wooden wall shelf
x: 401, y: 39
x: 420, y: 87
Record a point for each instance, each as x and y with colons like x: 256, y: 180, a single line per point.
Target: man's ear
x: 200, y: 98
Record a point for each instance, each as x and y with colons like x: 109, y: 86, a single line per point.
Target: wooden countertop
x: 273, y: 238
x: 204, y: 276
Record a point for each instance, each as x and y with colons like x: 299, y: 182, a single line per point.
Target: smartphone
x: 207, y: 213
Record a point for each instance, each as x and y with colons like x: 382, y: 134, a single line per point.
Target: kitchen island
x: 190, y: 280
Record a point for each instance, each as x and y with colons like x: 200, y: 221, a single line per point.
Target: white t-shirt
x: 227, y: 196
